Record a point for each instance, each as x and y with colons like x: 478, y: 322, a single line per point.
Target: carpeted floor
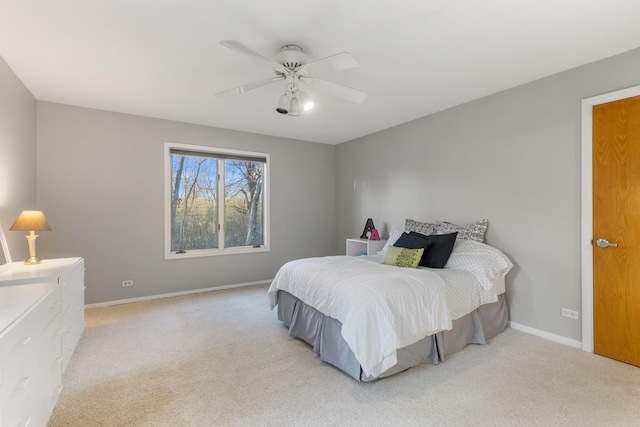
x: 223, y: 359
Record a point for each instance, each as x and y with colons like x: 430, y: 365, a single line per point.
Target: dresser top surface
x: 49, y: 269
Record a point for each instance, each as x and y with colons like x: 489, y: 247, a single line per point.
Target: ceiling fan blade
x: 339, y: 61
x: 344, y: 92
x: 249, y: 86
x: 243, y: 49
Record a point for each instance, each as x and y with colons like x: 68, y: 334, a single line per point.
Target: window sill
x: 215, y: 252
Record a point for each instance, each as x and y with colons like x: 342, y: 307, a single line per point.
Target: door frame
x: 587, y: 206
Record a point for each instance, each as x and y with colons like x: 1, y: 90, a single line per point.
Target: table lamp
x: 31, y: 221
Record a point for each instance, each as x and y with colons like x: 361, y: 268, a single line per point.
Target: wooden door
x: 616, y: 218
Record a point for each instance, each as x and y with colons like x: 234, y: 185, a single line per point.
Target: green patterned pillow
x: 402, y: 257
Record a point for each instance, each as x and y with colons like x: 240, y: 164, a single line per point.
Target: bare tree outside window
x: 243, y: 203
x: 199, y: 183
x: 194, y: 204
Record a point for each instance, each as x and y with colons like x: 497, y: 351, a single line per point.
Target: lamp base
x: 32, y: 261
x: 31, y: 240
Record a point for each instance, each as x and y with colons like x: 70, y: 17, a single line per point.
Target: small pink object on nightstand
x: 374, y: 235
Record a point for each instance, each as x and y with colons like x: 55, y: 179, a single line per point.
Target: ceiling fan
x: 292, y: 66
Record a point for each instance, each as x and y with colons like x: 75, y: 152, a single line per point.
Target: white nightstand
x: 357, y: 247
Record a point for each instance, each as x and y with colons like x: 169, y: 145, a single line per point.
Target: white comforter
x: 381, y: 308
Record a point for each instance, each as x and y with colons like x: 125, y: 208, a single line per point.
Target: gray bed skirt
x: 323, y: 334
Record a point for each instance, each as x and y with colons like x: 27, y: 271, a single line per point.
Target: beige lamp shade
x: 31, y: 221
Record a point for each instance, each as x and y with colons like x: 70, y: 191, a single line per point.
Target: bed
x: 372, y: 319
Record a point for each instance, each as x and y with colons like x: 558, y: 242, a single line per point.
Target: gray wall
x: 100, y: 184
x: 17, y: 156
x: 514, y: 158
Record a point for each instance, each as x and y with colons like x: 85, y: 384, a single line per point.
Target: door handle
x: 603, y: 243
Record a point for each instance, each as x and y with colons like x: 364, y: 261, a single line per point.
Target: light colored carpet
x: 223, y: 359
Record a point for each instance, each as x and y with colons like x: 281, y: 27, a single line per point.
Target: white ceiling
x: 162, y: 58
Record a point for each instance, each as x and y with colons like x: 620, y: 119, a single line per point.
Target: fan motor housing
x: 291, y: 56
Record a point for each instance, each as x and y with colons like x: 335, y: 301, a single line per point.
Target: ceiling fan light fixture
x: 294, y: 107
x: 283, y: 105
x: 307, y: 103
x: 292, y: 65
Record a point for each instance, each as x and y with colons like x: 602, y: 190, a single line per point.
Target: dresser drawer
x: 73, y: 310
x: 73, y: 296
x: 35, y: 409
x: 20, y: 381
x: 21, y: 338
x: 72, y: 330
x: 72, y: 283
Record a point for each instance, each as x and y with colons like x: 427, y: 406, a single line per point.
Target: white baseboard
x: 547, y: 335
x: 176, y: 294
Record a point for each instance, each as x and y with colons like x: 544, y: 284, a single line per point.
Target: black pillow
x: 414, y: 242
x: 438, y: 254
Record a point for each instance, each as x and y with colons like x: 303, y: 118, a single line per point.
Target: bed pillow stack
x: 442, y: 235
x: 437, y: 247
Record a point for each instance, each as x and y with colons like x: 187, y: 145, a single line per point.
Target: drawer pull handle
x: 24, y: 341
x: 24, y: 383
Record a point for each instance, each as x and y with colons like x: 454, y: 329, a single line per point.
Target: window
x: 215, y: 201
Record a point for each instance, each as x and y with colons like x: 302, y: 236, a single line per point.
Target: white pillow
x: 394, y: 235
x: 485, y: 262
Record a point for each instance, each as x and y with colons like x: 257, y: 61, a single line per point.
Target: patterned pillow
x: 474, y: 231
x: 402, y: 257
x: 485, y: 262
x: 410, y: 241
x: 425, y: 228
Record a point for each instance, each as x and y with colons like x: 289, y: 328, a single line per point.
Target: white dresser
x: 41, y: 321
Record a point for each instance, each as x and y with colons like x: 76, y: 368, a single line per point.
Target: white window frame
x: 196, y: 253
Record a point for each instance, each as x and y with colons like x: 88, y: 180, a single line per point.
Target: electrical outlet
x: 572, y: 314
x: 126, y: 283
